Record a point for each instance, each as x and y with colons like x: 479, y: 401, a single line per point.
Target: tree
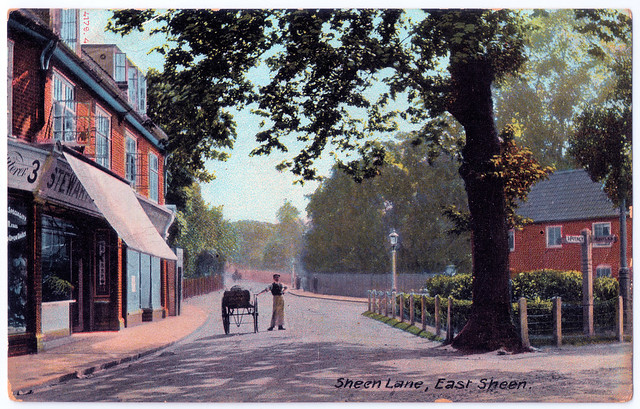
x: 325, y: 69
x: 285, y: 245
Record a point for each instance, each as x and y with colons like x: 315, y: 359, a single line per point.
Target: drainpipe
x: 45, y: 59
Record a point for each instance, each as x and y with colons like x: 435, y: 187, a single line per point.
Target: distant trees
x: 270, y: 246
x: 350, y: 221
x: 200, y: 230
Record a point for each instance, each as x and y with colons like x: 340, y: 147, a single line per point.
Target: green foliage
x: 457, y: 286
x: 546, y: 284
x: 605, y: 288
x: 350, y: 221
x: 201, y: 229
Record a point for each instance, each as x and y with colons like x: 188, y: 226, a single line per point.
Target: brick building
x: 86, y: 211
x: 564, y: 205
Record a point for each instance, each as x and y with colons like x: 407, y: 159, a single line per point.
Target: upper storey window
x: 64, y: 110
x: 120, y: 64
x: 69, y: 27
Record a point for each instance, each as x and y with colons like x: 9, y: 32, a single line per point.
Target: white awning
x: 119, y: 205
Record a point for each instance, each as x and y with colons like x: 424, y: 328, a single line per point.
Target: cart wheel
x: 255, y: 314
x: 225, y: 323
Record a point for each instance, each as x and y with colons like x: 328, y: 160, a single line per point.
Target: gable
x: 567, y: 195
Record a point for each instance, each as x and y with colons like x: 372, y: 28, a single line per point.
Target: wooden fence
x: 447, y: 317
x: 192, y: 287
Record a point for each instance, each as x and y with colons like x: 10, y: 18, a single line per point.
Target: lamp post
x: 393, y: 239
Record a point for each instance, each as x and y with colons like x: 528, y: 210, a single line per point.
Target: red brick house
x: 86, y: 211
x: 565, y: 204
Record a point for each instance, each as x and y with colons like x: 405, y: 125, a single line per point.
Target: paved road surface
x: 330, y: 352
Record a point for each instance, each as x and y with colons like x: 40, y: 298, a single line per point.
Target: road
x: 329, y: 352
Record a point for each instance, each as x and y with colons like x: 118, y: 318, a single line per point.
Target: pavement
x: 83, y: 354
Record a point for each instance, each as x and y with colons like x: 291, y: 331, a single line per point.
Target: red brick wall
x: 27, y: 118
x: 531, y: 252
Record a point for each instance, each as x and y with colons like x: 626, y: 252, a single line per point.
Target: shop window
x: 554, y: 236
x: 17, y: 272
x: 57, y: 236
x: 103, y: 138
x: 153, y: 177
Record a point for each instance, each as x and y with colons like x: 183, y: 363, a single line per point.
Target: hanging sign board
x: 25, y: 166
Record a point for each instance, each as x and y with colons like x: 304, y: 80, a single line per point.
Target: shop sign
x: 60, y: 184
x: 17, y: 221
x: 24, y: 167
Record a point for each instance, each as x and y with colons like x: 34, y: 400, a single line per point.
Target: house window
x: 601, y: 230
x: 153, y: 177
x: 554, y: 236
x: 69, y: 27
x: 103, y: 138
x: 142, y: 94
x: 130, y: 160
x: 120, y: 63
x: 603, y: 271
x: 512, y: 240
x: 10, y: 88
x: 133, y: 86
x: 64, y: 110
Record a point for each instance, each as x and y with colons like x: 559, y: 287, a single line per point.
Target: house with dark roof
x: 564, y: 205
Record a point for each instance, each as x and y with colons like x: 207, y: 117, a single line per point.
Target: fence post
x: 437, y: 314
x: 620, y: 318
x: 394, y: 298
x: 412, y: 308
x: 557, y: 320
x: 386, y: 304
x: 524, y: 325
x: 380, y: 302
x: 402, y: 307
x: 369, y: 300
x: 422, y: 312
x: 587, y: 283
x: 449, y: 336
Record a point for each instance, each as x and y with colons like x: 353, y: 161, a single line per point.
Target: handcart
x: 236, y: 304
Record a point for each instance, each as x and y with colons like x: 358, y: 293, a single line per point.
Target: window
x: 131, y: 154
x: 133, y: 86
x: 103, y: 138
x: 512, y: 240
x: 57, y: 281
x: 10, y: 88
x: 120, y: 64
x: 64, y: 110
x: 153, y: 177
x: 69, y: 27
x: 554, y: 236
x: 142, y: 95
x: 603, y: 271
x: 601, y: 230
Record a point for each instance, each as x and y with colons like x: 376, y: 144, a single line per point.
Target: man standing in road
x: 277, y: 289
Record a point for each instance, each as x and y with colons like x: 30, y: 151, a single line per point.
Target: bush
x: 605, y: 288
x: 457, y: 286
x: 546, y: 284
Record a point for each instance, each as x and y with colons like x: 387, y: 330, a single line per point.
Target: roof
x: 567, y: 195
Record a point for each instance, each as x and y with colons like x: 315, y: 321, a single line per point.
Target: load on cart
x: 236, y: 304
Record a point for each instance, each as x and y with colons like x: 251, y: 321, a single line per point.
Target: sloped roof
x: 567, y: 195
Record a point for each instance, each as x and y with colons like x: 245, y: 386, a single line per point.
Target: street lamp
x: 393, y: 239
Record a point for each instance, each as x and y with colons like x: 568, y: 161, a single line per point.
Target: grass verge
x: 404, y: 326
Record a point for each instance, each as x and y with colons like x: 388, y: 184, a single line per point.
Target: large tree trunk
x: 490, y: 326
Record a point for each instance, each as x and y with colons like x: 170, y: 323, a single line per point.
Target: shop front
x: 72, y: 230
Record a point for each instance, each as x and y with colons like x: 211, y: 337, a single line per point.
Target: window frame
x: 64, y: 109
x: 154, y: 177
x: 10, y: 56
x: 593, y: 229
x: 69, y: 27
x: 558, y: 239
x: 120, y: 67
x: 101, y: 113
x: 512, y: 240
x: 131, y: 160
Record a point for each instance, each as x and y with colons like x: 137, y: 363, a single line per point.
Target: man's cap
x: 276, y: 275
